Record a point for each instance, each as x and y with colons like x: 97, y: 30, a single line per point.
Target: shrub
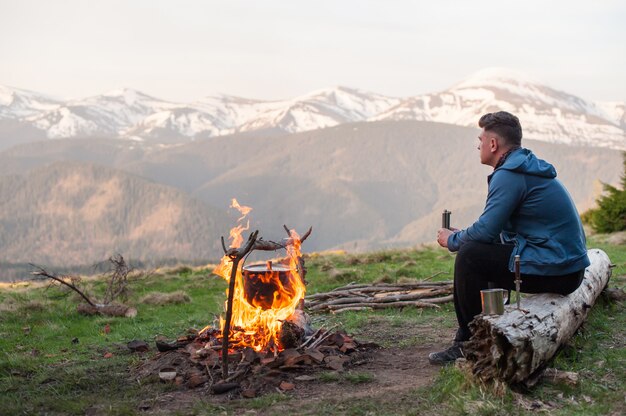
x: 610, y: 215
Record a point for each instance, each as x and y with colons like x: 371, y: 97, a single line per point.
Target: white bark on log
x: 516, y: 347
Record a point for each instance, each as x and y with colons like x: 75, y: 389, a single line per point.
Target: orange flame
x: 235, y: 232
x: 257, y: 317
x: 244, y: 210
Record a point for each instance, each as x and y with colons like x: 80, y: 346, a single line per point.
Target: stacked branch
x: 516, y: 347
x: 358, y: 297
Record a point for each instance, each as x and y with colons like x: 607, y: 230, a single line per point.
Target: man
x: 528, y: 213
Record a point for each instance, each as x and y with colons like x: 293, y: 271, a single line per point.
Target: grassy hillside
x: 54, y: 361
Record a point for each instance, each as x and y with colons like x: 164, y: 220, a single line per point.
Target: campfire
x: 264, y: 296
x: 264, y: 334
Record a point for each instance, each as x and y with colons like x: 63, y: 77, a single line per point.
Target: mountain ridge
x: 546, y: 114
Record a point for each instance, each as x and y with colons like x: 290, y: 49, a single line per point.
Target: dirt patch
x: 379, y: 375
x: 393, y: 370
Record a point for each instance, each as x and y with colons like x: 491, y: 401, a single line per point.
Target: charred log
x: 291, y: 335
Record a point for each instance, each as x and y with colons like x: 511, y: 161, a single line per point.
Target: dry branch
x: 368, y: 296
x: 311, y: 338
x: 417, y: 303
x: 413, y: 296
x: 321, y: 339
x: 356, y: 308
x: 236, y: 255
x: 390, y: 286
x: 41, y: 272
x: 517, y: 346
x: 292, y: 237
x: 369, y: 291
x: 117, y: 286
x: 269, y: 245
x: 304, y: 236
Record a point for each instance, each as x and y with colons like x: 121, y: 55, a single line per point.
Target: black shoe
x: 449, y: 355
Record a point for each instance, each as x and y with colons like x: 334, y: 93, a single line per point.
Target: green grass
x: 329, y: 377
x: 266, y: 401
x: 357, y: 377
x: 349, y: 377
x: 52, y: 359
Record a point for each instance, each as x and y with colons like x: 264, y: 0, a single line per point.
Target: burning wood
x: 381, y: 296
x: 261, y: 298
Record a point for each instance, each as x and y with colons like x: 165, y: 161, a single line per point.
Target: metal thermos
x: 445, y: 219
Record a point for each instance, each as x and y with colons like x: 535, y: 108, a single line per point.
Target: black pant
x: 478, y: 264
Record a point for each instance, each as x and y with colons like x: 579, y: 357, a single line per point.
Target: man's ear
x: 493, y: 145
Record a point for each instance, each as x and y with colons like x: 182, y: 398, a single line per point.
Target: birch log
x: 517, y: 346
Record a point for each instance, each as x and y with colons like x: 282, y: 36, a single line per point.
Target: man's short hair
x: 505, y: 125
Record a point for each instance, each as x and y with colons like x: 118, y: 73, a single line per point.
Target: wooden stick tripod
x: 236, y: 255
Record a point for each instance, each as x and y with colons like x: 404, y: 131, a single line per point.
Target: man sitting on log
x: 528, y: 213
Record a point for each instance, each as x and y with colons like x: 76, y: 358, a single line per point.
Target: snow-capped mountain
x: 214, y: 115
x: 180, y: 123
x: 220, y: 114
x: 546, y: 114
x: 108, y: 114
x: 324, y: 108
x: 16, y: 103
x: 616, y: 110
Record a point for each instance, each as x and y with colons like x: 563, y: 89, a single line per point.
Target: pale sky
x: 266, y: 49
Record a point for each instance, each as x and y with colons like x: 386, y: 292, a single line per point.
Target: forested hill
x: 76, y: 213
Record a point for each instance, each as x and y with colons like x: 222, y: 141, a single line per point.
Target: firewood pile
x: 193, y: 361
x: 358, y: 297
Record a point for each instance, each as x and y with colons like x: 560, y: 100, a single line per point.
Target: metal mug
x: 493, y: 301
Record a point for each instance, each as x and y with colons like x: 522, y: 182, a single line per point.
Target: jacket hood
x: 524, y: 161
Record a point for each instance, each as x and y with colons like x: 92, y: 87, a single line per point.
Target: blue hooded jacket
x: 527, y: 206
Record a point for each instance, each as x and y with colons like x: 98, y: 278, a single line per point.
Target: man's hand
x: 443, y: 234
